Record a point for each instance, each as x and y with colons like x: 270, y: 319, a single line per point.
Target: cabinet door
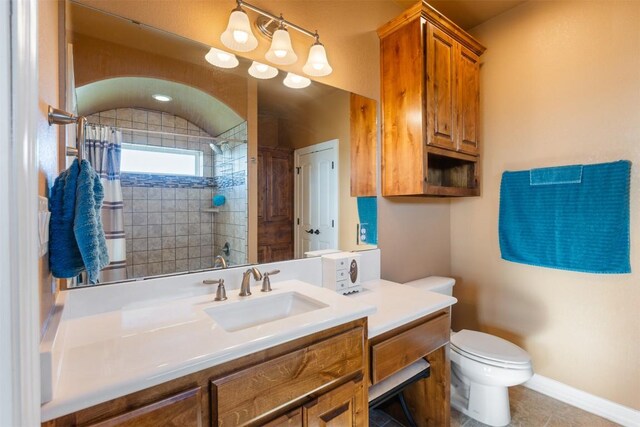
x: 183, y: 409
x: 280, y: 186
x: 363, y: 146
x: 468, y: 101
x: 343, y: 407
x: 441, y: 88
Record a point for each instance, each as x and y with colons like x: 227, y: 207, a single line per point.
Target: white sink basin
x: 257, y: 311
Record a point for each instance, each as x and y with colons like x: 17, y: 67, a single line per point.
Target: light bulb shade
x: 295, y: 81
x: 238, y: 35
x: 262, y: 71
x: 221, y: 59
x: 317, y: 63
x: 281, y: 52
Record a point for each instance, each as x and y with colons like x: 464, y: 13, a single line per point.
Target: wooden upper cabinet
x: 363, y: 146
x: 430, y: 106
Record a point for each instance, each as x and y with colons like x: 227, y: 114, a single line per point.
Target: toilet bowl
x: 483, y: 366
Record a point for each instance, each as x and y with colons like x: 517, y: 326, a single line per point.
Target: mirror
x: 213, y: 163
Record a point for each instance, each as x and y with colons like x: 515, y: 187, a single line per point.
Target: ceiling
x: 467, y: 13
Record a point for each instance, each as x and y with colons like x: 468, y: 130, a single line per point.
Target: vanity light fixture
x: 238, y: 35
x: 262, y: 71
x: 161, y: 98
x: 221, y: 59
x: 295, y: 81
x: 317, y: 63
x: 281, y: 52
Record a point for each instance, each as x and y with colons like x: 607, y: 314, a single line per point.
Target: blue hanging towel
x: 569, y: 217
x: 368, y: 214
x: 76, y: 236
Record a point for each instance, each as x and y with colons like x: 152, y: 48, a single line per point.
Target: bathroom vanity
x: 162, y: 349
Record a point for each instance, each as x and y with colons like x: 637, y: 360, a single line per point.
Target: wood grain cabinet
x: 317, y: 380
x: 430, y: 106
x: 363, y: 132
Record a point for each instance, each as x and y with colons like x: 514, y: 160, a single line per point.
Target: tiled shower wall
x: 166, y: 229
x: 230, y: 172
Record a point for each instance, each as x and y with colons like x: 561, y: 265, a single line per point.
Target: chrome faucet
x: 219, y: 259
x: 245, y: 288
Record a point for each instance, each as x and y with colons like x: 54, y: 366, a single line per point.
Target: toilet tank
x: 441, y: 285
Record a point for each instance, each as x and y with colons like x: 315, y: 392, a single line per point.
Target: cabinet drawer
x: 182, y: 409
x: 243, y: 397
x: 399, y: 351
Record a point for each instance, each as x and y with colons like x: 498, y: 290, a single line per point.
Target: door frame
x: 19, y: 298
x: 327, y: 145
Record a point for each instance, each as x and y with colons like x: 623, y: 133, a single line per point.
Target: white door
x: 316, y: 198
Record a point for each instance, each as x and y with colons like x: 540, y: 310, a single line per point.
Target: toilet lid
x: 489, y: 347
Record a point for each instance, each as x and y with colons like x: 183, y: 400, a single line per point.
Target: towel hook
x: 61, y: 117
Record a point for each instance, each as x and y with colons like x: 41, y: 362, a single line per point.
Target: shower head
x: 216, y: 148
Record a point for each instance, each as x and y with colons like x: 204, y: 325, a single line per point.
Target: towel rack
x: 61, y: 117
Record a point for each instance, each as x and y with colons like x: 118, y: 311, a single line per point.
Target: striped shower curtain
x: 102, y: 148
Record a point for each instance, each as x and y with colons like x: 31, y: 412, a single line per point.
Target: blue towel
x: 368, y: 214
x: 76, y: 236
x: 571, y: 218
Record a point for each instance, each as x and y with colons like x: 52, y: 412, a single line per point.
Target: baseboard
x: 596, y: 405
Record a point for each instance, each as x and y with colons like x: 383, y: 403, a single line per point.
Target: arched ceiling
x: 194, y: 105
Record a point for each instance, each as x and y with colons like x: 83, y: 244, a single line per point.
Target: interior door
x: 316, y: 198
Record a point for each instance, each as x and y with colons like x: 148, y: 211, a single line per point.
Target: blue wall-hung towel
x: 368, y: 214
x: 570, y: 217
x: 76, y: 236
x: 87, y: 225
x: 65, y: 260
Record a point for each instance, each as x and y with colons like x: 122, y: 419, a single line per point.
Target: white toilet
x: 482, y: 366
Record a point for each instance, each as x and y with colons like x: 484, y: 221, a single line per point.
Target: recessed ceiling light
x: 161, y: 98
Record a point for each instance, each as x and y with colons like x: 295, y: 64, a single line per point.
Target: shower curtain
x: 102, y: 148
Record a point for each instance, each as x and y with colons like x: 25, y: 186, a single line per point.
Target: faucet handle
x: 221, y: 292
x: 266, y: 282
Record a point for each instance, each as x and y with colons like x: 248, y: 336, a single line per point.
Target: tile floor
x: 528, y: 409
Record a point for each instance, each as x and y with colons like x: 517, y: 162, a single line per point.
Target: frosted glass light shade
x: 281, y: 52
x: 238, y: 35
x: 221, y: 59
x: 317, y: 63
x: 295, y: 81
x: 262, y: 71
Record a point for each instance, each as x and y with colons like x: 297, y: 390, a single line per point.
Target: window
x: 150, y: 159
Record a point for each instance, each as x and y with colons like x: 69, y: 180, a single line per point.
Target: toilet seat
x: 490, y: 350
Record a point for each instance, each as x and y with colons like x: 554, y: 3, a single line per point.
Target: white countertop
x: 114, y: 353
x: 398, y: 304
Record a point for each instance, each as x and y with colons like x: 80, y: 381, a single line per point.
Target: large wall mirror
x: 215, y: 167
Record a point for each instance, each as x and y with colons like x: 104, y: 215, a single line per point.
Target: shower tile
x: 140, y: 257
x: 139, y: 218
x: 154, y: 140
x: 155, y: 256
x: 194, y: 263
x: 169, y: 218
x: 194, y: 240
x: 182, y: 241
x: 168, y: 205
x: 206, y: 250
x: 139, y: 245
x: 182, y: 229
x: 139, y: 231
x: 194, y: 217
x: 139, y: 193
x: 168, y: 242
x: 168, y: 193
x: 168, y: 230
x: 169, y: 120
x: 182, y: 265
x: 206, y: 239
x: 194, y: 228
x: 154, y: 243
x: 154, y: 206
x: 139, y: 206
x: 154, y: 230
x: 127, y: 218
x: 194, y: 205
x: 154, y: 218
x: 154, y: 193
x: 154, y: 118
x: 168, y: 267
x: 127, y: 193
x: 194, y: 252
x: 181, y: 123
x: 154, y: 268
x: 168, y: 255
x: 139, y: 116
x: 182, y: 193
x: 182, y: 253
x: 140, y: 270
x: 182, y: 217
